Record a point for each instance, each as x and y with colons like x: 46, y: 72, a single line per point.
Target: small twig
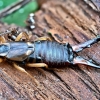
x: 12, y: 8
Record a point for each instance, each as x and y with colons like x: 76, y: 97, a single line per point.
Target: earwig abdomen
x: 52, y: 53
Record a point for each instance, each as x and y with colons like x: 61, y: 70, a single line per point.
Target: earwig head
x: 4, y: 48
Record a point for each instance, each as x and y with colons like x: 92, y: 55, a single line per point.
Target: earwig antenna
x: 14, y: 30
x: 6, y: 32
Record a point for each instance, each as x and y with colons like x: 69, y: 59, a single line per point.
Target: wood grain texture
x: 74, y: 22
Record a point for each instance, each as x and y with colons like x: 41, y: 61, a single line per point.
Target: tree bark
x: 74, y: 22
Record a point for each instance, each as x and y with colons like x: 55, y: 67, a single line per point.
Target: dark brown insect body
x: 52, y: 53
x: 46, y: 53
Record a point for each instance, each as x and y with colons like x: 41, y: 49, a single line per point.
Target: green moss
x: 20, y: 15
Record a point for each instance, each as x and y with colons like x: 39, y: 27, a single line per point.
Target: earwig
x: 46, y: 53
x: 42, y: 53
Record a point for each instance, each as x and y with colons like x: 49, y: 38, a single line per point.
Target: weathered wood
x: 74, y: 22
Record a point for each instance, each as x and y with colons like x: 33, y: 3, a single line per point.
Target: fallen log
x: 74, y: 22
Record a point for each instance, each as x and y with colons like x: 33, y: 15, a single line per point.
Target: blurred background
x: 17, y: 11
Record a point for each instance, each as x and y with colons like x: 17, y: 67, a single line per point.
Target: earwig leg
x: 21, y: 35
x: 80, y: 60
x: 1, y: 60
x: 42, y: 65
x: 37, y: 65
x: 44, y: 38
x: 23, y: 70
x: 2, y: 39
x: 86, y: 44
